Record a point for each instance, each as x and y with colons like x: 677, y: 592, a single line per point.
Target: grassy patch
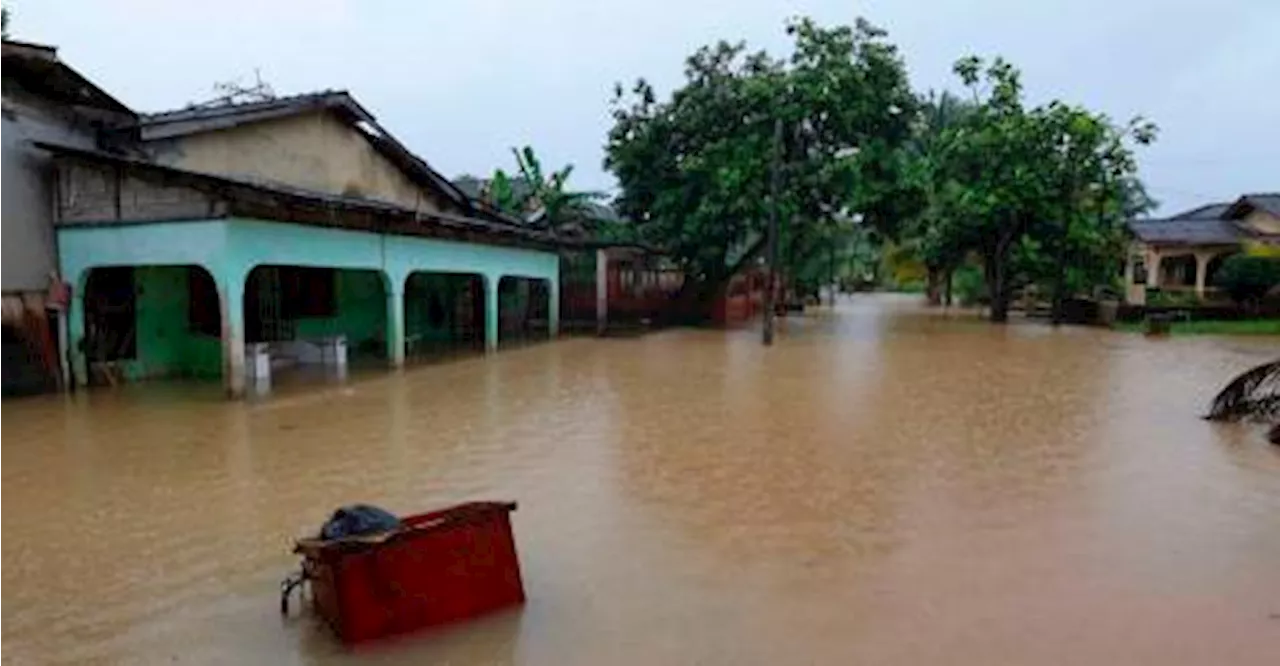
x: 907, y: 287
x: 1213, y: 327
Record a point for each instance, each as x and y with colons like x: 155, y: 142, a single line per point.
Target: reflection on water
x: 883, y: 486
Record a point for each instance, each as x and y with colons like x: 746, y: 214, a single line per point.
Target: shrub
x: 1172, y: 299
x: 1247, y: 279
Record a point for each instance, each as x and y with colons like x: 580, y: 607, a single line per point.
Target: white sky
x: 461, y: 82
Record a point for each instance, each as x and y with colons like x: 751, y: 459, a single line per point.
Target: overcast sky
x: 460, y: 82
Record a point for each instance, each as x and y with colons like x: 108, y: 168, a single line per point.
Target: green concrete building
x: 176, y: 273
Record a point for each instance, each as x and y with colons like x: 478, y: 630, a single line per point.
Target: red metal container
x: 439, y: 567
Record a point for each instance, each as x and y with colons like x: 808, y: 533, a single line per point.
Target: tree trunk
x: 994, y: 263
x: 1056, y: 303
x: 999, y: 293
x: 946, y: 294
x: 931, y: 288
x: 1058, y: 295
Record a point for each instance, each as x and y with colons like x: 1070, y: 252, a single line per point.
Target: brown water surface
x: 884, y: 486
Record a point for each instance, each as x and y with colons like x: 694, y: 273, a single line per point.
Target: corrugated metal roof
x: 302, y: 195
x: 197, y: 119
x: 38, y: 68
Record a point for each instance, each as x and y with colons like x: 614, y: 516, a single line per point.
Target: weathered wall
x: 98, y: 193
x: 27, y: 173
x: 316, y: 151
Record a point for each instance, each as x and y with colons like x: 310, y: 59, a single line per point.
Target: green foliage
x: 928, y: 227
x: 1040, y: 194
x: 1247, y: 279
x: 967, y: 285
x: 502, y: 194
x: 695, y: 169
x: 901, y: 265
x: 545, y: 198
x: 1172, y: 299
x: 857, y: 256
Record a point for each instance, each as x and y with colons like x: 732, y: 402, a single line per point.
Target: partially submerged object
x: 1252, y: 395
x: 429, y: 569
x: 1158, y: 323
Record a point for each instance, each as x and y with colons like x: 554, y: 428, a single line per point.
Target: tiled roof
x: 1268, y: 201
x: 1213, y: 211
x: 1187, y: 231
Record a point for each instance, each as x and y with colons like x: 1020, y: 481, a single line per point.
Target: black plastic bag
x: 358, y: 520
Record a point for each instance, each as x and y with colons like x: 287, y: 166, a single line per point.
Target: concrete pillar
x: 231, y: 296
x: 553, y: 306
x: 602, y: 291
x: 1153, y: 269
x: 395, y: 325
x: 1202, y: 264
x: 1135, y: 294
x: 76, y: 335
x: 491, y: 311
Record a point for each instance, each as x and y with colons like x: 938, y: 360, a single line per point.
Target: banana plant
x: 555, y: 208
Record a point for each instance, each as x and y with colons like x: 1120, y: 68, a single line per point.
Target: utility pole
x: 775, y: 184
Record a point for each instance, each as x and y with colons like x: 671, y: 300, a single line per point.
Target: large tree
x: 1040, y: 194
x: 1090, y: 192
x: 695, y: 169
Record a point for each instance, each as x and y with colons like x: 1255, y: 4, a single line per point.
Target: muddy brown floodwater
x: 885, y: 486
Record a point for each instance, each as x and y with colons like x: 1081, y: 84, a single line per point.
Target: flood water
x: 884, y: 486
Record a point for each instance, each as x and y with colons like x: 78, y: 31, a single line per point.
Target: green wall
x: 516, y: 305
x: 419, y: 291
x: 361, y: 316
x: 230, y: 248
x: 166, y: 345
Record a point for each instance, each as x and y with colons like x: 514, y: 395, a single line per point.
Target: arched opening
x: 524, y: 307
x: 303, y: 313
x: 143, y: 322
x: 443, y: 314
